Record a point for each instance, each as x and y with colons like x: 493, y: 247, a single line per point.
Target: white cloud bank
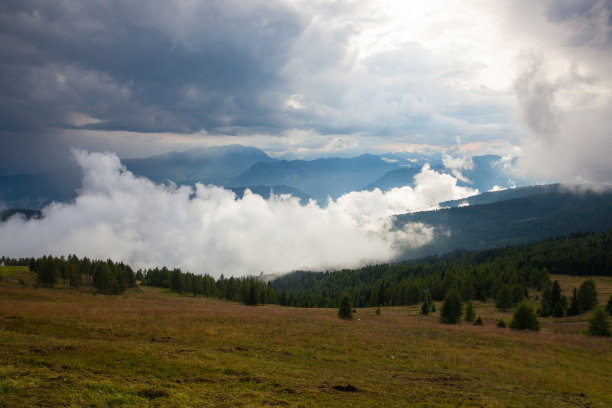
x: 207, y: 229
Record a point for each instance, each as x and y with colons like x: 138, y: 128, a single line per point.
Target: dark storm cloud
x: 141, y: 65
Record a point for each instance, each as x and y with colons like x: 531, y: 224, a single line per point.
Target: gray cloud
x: 228, y: 68
x: 143, y: 66
x: 564, y: 90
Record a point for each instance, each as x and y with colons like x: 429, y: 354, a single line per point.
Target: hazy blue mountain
x: 395, y: 178
x: 39, y: 189
x: 212, y: 165
x: 236, y: 166
x: 511, y: 222
x: 319, y: 178
x: 502, y: 195
x: 265, y: 192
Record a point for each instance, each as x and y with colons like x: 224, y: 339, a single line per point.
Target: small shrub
x: 524, y: 318
x: 501, y: 324
x: 424, y: 309
x: 478, y: 322
x: 378, y: 311
x: 598, y: 325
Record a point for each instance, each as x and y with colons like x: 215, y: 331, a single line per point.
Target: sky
x: 94, y: 82
x: 306, y: 79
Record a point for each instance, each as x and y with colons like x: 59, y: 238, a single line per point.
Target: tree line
x: 503, y: 275
x: 107, y: 277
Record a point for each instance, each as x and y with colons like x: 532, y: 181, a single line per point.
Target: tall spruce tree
x: 251, y: 297
x: 574, y: 308
x: 587, y: 295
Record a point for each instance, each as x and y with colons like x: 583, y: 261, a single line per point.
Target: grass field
x: 150, y: 348
x: 12, y: 270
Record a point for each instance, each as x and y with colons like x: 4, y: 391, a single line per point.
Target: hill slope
x: 511, y: 222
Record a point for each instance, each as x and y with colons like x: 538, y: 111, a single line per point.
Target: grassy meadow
x: 152, y: 347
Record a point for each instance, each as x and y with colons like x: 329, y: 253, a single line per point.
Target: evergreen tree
x: 587, y: 295
x: 524, y: 318
x: 517, y: 293
x: 452, y: 308
x: 74, y: 276
x: 545, y: 301
x: 503, y: 300
x: 598, y: 325
x: 469, y: 312
x: 560, y: 307
x: 501, y: 324
x: 478, y: 322
x: 424, y: 309
x: 284, y: 301
x: 574, y: 308
x: 251, y: 298
x: 104, y: 280
x: 176, y: 281
x: 345, y: 311
x: 46, y: 273
x: 609, y: 306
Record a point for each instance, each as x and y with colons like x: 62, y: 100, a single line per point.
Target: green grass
x: 150, y: 348
x: 11, y: 270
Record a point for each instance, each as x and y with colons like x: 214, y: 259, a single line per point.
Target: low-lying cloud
x: 207, y: 229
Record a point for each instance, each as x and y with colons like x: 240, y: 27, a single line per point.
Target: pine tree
x: 345, y: 311
x: 503, y: 300
x: 251, y: 297
x: 469, y: 312
x: 478, y: 322
x: 524, y: 318
x: 424, y: 309
x: 176, y: 281
x: 587, y: 295
x: 574, y: 308
x: 452, y: 308
x: 517, y: 293
x: 598, y: 325
x: 501, y: 323
x: 609, y: 306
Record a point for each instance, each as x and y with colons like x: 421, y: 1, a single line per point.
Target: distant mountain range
x: 213, y: 165
x: 238, y: 167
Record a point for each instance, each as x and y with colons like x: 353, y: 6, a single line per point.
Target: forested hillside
x: 477, y: 275
x: 512, y: 222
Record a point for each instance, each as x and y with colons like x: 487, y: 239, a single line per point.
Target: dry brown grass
x: 147, y: 348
